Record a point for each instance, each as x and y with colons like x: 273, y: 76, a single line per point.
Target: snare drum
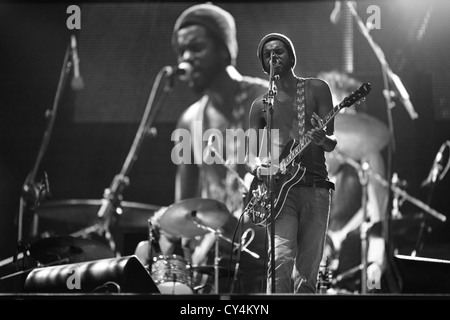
x: 172, y: 274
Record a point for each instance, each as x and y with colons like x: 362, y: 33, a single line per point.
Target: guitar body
x: 258, y: 202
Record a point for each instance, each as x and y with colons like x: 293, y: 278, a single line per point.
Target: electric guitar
x: 257, y: 201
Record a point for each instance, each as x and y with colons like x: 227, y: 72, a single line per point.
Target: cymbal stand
x: 242, y: 186
x: 365, y: 225
x: 112, y: 196
x: 32, y: 192
x: 395, y: 188
x: 18, y: 273
x: 218, y: 235
x: 396, y: 200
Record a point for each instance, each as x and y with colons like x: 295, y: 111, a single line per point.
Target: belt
x: 318, y: 184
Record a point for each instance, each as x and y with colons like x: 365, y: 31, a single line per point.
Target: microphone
x: 274, y: 58
x: 77, y: 81
x: 436, y: 168
x: 335, y: 15
x: 183, y: 71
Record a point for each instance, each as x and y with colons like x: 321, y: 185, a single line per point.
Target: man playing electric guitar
x: 299, y: 106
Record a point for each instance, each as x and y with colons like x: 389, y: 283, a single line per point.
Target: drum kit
x: 191, y: 218
x: 171, y: 273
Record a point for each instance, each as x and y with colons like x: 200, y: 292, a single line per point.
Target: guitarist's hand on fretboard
x: 318, y: 133
x: 317, y: 136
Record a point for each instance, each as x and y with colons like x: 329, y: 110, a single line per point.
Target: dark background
x: 122, y: 46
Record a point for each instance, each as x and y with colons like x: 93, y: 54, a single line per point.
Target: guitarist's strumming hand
x: 263, y: 170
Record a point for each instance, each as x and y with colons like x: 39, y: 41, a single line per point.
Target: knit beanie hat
x: 218, y: 21
x: 275, y: 36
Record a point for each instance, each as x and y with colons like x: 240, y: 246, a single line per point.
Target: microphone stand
x: 31, y: 191
x: 112, y: 196
x: 388, y: 74
x: 268, y: 109
x: 432, y: 185
x: 419, y: 241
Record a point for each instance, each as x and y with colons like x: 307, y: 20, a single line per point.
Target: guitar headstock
x: 357, y: 96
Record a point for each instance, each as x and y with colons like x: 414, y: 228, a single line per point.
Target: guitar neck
x: 305, y: 141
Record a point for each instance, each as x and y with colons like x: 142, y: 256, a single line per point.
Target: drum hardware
x: 32, y: 192
x: 210, y: 269
x: 369, y: 228
x: 218, y: 235
x: 72, y: 250
x: 83, y: 212
x: 171, y: 274
x: 197, y: 216
x: 39, y: 265
x: 178, y: 219
x: 398, y: 192
x: 57, y: 251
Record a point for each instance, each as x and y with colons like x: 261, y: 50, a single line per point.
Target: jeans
x: 300, y: 231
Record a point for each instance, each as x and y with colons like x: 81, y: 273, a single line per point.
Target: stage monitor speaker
x: 115, y: 275
x: 423, y: 275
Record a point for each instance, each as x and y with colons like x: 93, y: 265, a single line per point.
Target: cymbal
x: 48, y: 250
x: 359, y: 134
x: 83, y: 212
x: 178, y: 219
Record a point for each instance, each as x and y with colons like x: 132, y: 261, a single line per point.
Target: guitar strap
x: 301, y: 100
